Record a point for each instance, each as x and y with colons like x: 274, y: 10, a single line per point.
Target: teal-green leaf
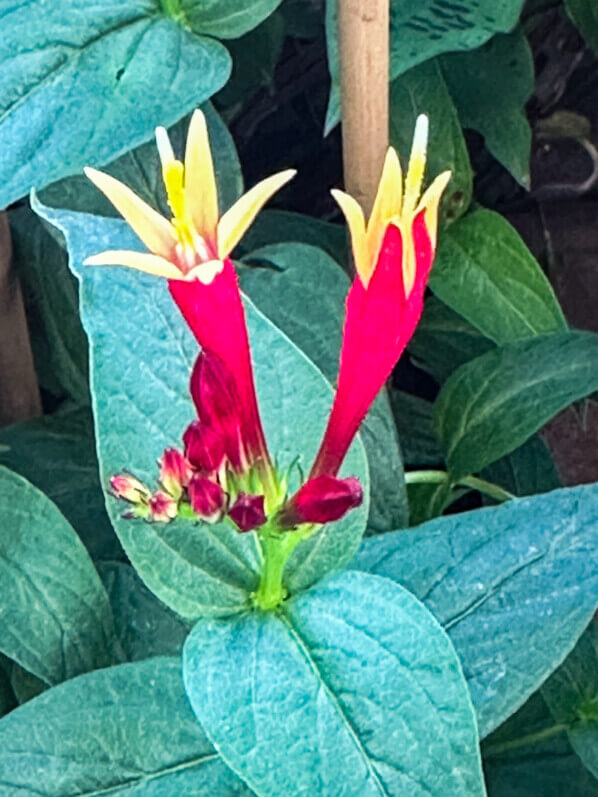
x: 57, y: 454
x: 142, y: 354
x: 584, y: 14
x: 56, y: 620
x: 528, y: 470
x: 50, y: 293
x: 126, y: 730
x: 303, y: 293
x: 514, y: 586
x: 444, y: 340
x: 423, y: 90
x: 421, y: 29
x: 83, y: 83
x: 141, y: 170
x: 572, y: 697
x: 351, y: 683
x: 226, y: 19
x: 530, y: 756
x: 493, y: 404
x: 490, y: 87
x: 144, y: 626
x: 484, y: 272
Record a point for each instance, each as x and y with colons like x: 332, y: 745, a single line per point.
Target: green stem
x: 500, y: 748
x: 171, y: 8
x: 473, y: 482
x: 276, y: 549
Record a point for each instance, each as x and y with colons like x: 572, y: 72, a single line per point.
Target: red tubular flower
x: 393, y: 257
x: 322, y: 499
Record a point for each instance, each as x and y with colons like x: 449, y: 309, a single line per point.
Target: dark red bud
x: 207, y: 498
x: 322, y: 500
x: 175, y: 472
x: 204, y: 447
x: 216, y: 399
x: 248, y: 511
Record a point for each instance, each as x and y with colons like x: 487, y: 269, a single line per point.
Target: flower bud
x: 216, y: 399
x: 207, y: 498
x: 163, y: 508
x: 248, y: 511
x: 321, y: 500
x: 204, y: 447
x: 175, y: 472
x: 128, y: 488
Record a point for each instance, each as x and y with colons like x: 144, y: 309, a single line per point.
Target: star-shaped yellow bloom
x: 395, y: 204
x: 196, y: 240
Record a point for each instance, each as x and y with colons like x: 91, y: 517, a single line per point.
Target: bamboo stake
x: 19, y: 391
x: 363, y: 27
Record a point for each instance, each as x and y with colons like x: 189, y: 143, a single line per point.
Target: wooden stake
x: 363, y: 27
x: 19, y: 390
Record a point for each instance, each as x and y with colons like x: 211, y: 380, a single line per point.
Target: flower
x: 248, y: 512
x: 322, y: 499
x: 393, y: 256
x: 195, y: 241
x: 207, y: 498
x: 191, y: 252
x: 162, y: 507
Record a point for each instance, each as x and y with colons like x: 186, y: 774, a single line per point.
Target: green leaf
x: 514, y: 586
x: 255, y: 56
x: 572, y: 697
x: 421, y: 29
x: 145, y: 627
x: 530, y: 756
x: 141, y: 170
x: 226, y: 19
x: 526, y: 471
x: 25, y: 685
x: 124, y: 730
x: 493, y: 404
x: 584, y: 14
x: 56, y: 620
x: 141, y: 357
x: 57, y: 454
x: 84, y: 83
x: 352, y: 683
x: 413, y: 416
x: 423, y: 90
x: 303, y: 293
x: 484, y: 272
x: 50, y: 292
x: 490, y: 87
x: 444, y: 340
x: 281, y: 226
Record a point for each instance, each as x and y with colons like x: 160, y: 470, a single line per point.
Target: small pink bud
x: 248, y: 511
x: 163, y: 508
x: 207, y: 498
x: 128, y: 488
x: 204, y: 447
x: 322, y: 500
x: 175, y: 472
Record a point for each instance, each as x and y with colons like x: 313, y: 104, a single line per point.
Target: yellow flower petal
x: 141, y: 261
x: 201, y: 193
x: 205, y: 272
x: 387, y: 203
x: 155, y: 231
x: 353, y: 213
x: 417, y: 166
x: 235, y: 221
x: 430, y: 202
